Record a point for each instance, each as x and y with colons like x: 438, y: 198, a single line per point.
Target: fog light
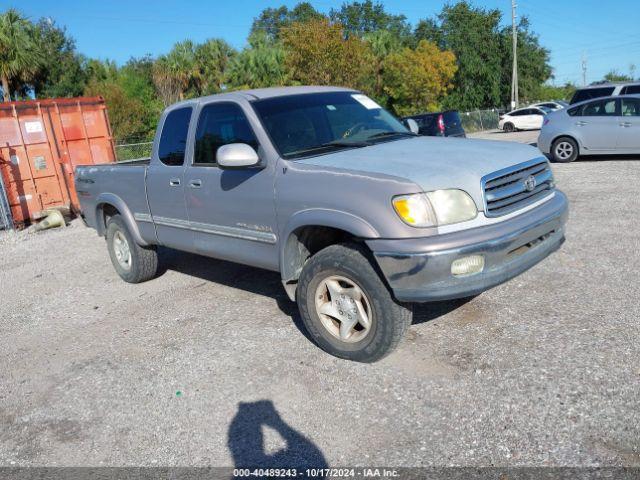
x: 467, y: 265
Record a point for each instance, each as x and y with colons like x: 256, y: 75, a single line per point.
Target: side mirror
x: 413, y: 125
x: 236, y: 155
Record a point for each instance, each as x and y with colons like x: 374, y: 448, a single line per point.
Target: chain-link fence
x: 133, y: 150
x: 478, y: 120
x: 6, y: 222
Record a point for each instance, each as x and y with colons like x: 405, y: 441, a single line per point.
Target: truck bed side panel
x: 121, y: 186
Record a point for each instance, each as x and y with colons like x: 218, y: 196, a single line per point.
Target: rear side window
x: 173, y: 140
x: 631, y: 89
x: 603, y: 108
x: 221, y: 124
x: 630, y: 107
x: 588, y: 93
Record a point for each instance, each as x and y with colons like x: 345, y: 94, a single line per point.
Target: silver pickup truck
x: 360, y: 216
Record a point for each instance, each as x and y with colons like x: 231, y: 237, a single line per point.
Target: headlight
x: 440, y: 207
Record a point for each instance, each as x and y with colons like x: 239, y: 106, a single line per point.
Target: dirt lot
x: 201, y: 364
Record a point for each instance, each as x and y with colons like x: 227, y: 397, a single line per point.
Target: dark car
x: 439, y: 124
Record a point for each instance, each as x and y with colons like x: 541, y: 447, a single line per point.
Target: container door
x: 165, y: 182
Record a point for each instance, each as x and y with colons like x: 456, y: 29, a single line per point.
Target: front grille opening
x: 529, y: 245
x: 511, y: 190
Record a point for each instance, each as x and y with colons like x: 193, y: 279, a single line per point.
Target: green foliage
x: 416, y: 80
x: 272, y: 20
x: 259, y: 65
x: 61, y: 72
x: 615, y: 76
x: 20, y: 53
x: 460, y: 59
x: 551, y: 92
x: 360, y: 18
x: 533, y: 64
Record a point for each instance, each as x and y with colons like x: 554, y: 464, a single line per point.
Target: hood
x: 433, y: 163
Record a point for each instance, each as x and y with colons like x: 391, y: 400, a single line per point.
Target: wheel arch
x: 312, y: 230
x: 109, y: 204
x: 566, y: 135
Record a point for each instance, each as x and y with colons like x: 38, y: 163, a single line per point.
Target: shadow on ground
x: 247, y: 443
x: 268, y: 284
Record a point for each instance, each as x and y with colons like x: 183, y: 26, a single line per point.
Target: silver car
x: 603, y: 126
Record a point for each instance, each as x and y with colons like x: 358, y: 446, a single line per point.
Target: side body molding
x: 127, y: 216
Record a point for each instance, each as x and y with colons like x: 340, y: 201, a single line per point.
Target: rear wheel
x: 346, y: 307
x: 133, y: 263
x: 564, y: 150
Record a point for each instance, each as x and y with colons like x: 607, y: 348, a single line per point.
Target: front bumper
x: 419, y: 269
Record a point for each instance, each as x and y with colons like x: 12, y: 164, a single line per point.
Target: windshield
x: 317, y: 123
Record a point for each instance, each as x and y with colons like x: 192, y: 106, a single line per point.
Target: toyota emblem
x: 530, y: 183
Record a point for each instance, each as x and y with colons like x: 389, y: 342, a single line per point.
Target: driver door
x: 231, y: 211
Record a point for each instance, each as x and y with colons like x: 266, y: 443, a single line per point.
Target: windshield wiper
x: 345, y: 143
x: 390, y: 134
x: 333, y: 144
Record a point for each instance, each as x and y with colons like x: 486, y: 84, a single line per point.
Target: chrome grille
x: 513, y: 188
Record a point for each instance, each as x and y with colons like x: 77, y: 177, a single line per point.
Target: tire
x: 141, y: 264
x: 564, y: 150
x: 345, y: 266
x: 509, y: 127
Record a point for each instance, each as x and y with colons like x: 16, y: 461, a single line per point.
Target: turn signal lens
x: 415, y: 210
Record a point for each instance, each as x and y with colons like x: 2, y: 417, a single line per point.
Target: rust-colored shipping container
x: 41, y: 142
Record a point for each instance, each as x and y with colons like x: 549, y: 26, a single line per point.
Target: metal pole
x: 514, y: 77
x: 584, y: 69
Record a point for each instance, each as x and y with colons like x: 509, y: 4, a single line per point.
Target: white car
x: 551, y: 105
x: 529, y: 118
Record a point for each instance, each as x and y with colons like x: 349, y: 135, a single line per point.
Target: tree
x: 61, y: 73
x: 382, y: 43
x: 473, y: 36
x: 615, y: 76
x: 317, y: 53
x: 261, y: 64
x: 212, y: 59
x: 125, y: 112
x: 20, y: 56
x: 533, y: 63
x: 175, y: 72
x: 272, y: 20
x: 359, y: 18
x: 417, y: 80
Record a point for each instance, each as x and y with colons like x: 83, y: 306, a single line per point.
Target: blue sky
x: 608, y: 32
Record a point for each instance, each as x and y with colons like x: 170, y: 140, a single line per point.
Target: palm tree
x: 20, y: 56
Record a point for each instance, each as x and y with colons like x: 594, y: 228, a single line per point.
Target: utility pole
x: 514, y: 76
x: 584, y: 69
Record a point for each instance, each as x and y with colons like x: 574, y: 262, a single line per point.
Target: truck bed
x: 121, y: 183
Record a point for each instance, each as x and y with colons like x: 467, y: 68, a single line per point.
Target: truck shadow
x: 268, y: 284
x: 249, y: 448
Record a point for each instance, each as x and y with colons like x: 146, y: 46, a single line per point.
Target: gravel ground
x: 524, y: 136
x: 201, y: 365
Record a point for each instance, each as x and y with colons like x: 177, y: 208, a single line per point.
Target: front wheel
x: 133, y: 263
x: 346, y: 307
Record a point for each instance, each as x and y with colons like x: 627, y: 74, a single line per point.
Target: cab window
x: 173, y: 140
x: 221, y: 124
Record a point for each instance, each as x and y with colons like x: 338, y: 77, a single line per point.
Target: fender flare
x: 127, y: 216
x: 320, y: 217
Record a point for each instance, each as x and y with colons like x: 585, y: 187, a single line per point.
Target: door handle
x: 581, y: 124
x: 626, y: 124
x: 195, y: 183
x: 174, y: 182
